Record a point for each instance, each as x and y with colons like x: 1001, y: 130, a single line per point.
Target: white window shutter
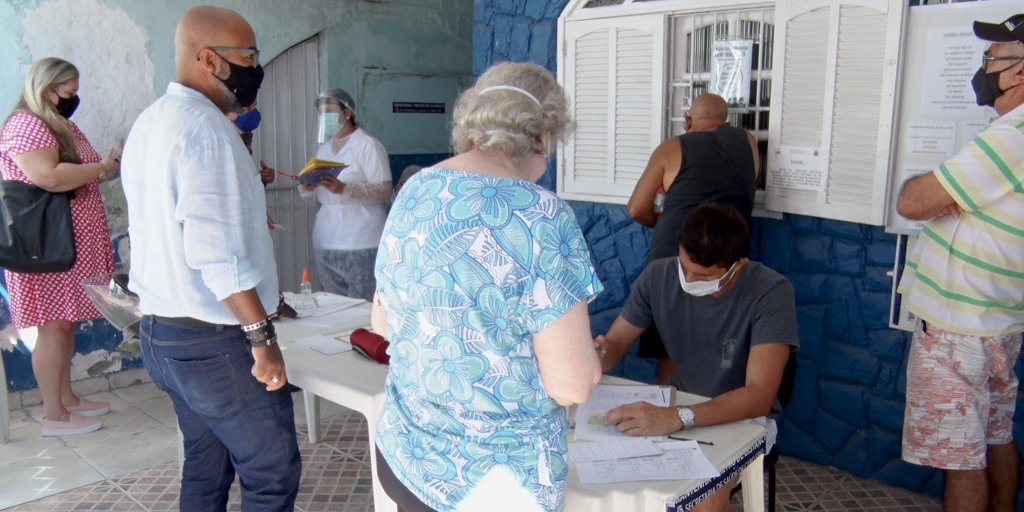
x: 613, y: 71
x: 837, y: 86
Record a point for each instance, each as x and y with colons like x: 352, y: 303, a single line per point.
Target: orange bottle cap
x: 305, y: 274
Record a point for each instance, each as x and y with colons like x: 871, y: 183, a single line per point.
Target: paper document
x: 611, y: 450
x: 605, y: 397
x: 327, y: 345
x: 683, y: 461
x: 335, y: 318
x: 326, y: 304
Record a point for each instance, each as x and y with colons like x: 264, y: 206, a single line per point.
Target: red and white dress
x: 40, y: 298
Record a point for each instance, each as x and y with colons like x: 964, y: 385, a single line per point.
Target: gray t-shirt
x: 708, y: 339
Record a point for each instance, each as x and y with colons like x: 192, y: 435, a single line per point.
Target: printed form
x: 611, y: 450
x: 680, y: 460
x: 613, y: 456
x: 605, y: 397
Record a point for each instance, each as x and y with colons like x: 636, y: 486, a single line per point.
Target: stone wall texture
x: 847, y: 408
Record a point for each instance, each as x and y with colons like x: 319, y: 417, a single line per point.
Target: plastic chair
x: 785, y: 394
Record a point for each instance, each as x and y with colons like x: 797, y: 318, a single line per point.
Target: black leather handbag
x: 36, y: 233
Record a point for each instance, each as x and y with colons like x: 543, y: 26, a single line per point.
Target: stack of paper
x: 330, y: 310
x: 614, y: 456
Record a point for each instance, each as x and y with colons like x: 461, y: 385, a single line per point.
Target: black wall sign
x: 404, y: 107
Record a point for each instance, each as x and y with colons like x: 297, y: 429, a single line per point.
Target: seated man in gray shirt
x: 728, y: 324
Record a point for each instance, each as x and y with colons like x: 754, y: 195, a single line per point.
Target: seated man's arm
x: 641, y: 202
x: 765, y: 367
x: 613, y: 345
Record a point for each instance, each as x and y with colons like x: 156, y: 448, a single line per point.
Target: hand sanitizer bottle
x: 306, y: 291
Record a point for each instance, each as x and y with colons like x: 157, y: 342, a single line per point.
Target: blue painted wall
x: 400, y: 162
x: 847, y: 410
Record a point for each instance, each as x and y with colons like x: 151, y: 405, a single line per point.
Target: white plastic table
x: 350, y: 380
x: 738, y: 449
x: 347, y: 379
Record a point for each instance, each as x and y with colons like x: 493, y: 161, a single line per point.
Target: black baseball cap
x: 1006, y: 32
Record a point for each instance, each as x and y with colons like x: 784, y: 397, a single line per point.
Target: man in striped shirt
x: 964, y: 279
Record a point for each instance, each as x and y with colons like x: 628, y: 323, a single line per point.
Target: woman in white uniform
x: 353, y: 206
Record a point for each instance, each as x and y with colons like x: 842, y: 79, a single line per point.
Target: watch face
x: 686, y: 416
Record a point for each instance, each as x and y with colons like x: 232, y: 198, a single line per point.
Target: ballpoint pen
x: 706, y: 443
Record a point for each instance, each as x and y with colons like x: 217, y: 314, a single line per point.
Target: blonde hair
x: 48, y: 74
x: 493, y: 116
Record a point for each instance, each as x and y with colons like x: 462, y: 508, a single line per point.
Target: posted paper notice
x: 930, y: 139
x: 801, y: 168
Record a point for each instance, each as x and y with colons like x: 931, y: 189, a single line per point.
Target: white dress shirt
x: 196, y: 210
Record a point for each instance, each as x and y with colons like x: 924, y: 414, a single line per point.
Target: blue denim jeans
x: 230, y: 422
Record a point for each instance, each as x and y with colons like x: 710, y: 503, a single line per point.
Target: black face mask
x: 986, y: 86
x: 66, y: 106
x: 244, y: 82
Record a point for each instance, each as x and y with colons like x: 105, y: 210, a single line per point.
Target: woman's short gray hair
x: 494, y: 116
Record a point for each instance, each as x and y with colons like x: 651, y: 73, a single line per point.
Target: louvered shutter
x: 613, y: 71
x: 837, y: 90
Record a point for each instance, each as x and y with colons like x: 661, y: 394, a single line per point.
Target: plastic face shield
x: 328, y: 124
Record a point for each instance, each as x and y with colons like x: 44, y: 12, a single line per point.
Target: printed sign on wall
x: 730, y: 72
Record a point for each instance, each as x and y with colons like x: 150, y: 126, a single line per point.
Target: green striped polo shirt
x: 966, y: 274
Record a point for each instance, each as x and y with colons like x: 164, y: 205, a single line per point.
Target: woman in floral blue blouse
x: 483, y: 280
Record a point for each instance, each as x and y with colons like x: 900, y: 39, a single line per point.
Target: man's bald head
x: 710, y: 107
x: 208, y: 42
x: 205, y: 26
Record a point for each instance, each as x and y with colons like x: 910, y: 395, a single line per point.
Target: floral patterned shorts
x: 961, y: 393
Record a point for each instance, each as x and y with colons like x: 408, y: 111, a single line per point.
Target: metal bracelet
x: 261, y: 334
x: 252, y: 327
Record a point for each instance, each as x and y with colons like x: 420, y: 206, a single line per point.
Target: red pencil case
x: 370, y: 345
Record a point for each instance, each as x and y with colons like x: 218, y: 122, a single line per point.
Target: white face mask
x: 328, y: 125
x: 702, y: 288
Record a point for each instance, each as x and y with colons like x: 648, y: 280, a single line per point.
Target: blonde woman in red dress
x: 40, y: 145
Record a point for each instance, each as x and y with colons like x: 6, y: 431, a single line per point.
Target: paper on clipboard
x: 590, y: 415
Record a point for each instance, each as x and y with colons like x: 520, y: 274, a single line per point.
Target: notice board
x: 937, y: 112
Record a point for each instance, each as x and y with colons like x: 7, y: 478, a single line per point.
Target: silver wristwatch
x: 686, y: 416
